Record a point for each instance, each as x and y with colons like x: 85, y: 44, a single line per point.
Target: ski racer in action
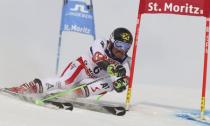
x: 105, y: 59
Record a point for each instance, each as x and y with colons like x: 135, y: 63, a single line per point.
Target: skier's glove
x: 116, y: 70
x: 120, y: 84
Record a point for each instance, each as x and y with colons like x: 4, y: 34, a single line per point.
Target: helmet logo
x: 125, y: 36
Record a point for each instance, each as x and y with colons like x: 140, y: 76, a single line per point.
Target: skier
x: 106, y: 59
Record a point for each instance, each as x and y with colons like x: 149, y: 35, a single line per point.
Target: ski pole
x: 68, y: 91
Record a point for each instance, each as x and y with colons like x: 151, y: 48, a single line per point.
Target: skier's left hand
x: 117, y: 70
x: 120, y: 84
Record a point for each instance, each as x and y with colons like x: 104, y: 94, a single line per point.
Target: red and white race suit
x: 85, y: 70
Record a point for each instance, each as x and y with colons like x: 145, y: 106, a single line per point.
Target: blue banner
x: 77, y: 16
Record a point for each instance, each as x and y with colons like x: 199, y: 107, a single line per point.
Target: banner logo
x: 77, y: 16
x: 180, y: 7
x: 79, y: 7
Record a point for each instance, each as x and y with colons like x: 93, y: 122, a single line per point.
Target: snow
x: 159, y: 109
x: 168, y: 72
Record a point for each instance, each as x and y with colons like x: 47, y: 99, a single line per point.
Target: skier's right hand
x: 116, y: 70
x: 120, y: 84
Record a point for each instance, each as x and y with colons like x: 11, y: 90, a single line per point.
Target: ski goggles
x: 121, y: 45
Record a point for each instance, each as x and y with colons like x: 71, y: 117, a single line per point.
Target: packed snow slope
x: 168, y: 71
x: 154, y: 106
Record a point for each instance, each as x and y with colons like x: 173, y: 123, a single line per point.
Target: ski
x: 97, y: 106
x: 70, y: 104
x: 61, y: 105
x: 30, y: 99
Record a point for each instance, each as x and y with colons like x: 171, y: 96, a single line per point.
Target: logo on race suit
x: 49, y: 86
x: 85, y: 62
x: 97, y: 69
x: 95, y: 88
x: 72, y: 66
x: 98, y: 56
x: 80, y: 8
x: 105, y: 85
x: 58, y: 84
x: 102, y: 43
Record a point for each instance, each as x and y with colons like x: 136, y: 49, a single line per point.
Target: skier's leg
x: 96, y: 88
x: 73, y: 74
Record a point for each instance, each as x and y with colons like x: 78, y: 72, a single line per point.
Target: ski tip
x: 69, y: 106
x: 119, y: 111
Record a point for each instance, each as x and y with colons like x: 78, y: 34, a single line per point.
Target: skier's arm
x: 112, y: 69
